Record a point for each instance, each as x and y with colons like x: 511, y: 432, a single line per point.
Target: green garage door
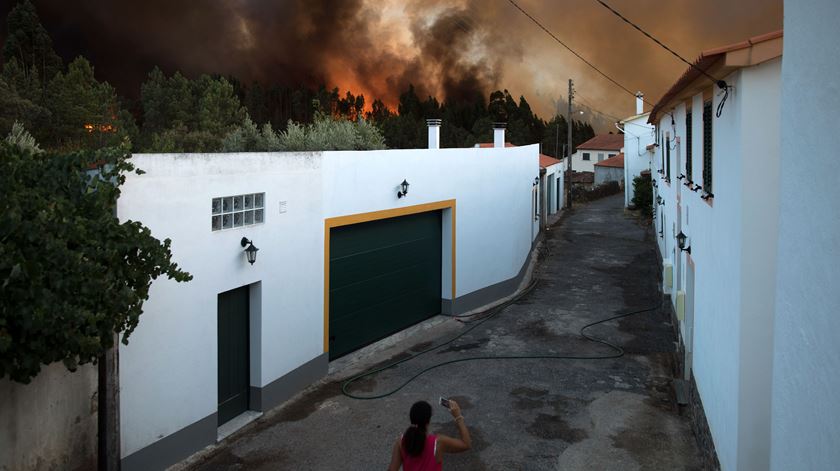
x: 385, y: 276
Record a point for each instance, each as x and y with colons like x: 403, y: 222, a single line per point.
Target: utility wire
x: 720, y: 83
x: 590, y: 64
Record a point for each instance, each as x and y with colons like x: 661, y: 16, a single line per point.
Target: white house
x: 548, y: 194
x: 551, y: 172
x: 348, y: 254
x: 597, y: 149
x: 639, y: 137
x: 716, y: 173
x: 805, y: 416
x: 610, y: 170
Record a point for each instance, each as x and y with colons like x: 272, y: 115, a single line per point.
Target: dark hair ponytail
x: 414, y: 438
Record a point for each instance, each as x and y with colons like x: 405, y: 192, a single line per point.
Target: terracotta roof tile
x: 615, y: 161
x: 604, y: 142
x: 707, y: 59
x: 547, y: 161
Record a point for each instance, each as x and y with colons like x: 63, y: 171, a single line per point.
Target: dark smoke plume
x: 452, y: 49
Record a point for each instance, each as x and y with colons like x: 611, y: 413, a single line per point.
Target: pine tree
x: 28, y: 43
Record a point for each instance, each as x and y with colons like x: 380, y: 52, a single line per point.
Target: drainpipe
x: 543, y: 201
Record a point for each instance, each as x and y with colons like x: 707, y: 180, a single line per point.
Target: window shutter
x: 707, y: 147
x: 688, y: 168
x: 668, y: 159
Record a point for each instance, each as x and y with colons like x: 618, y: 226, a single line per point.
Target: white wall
x: 580, y: 165
x: 733, y: 257
x: 554, y: 173
x: 637, y: 136
x: 50, y: 423
x: 608, y: 174
x: 492, y: 187
x: 805, y: 430
x: 168, y: 371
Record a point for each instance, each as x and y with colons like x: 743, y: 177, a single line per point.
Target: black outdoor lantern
x: 251, y: 251
x: 681, y: 239
x: 403, y: 189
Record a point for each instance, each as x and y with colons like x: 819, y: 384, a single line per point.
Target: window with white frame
x: 230, y: 212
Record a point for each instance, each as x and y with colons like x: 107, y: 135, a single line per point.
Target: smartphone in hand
x: 444, y: 402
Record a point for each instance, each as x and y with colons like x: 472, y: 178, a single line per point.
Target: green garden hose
x: 618, y: 351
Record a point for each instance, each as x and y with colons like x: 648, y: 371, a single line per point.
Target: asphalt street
x: 524, y: 414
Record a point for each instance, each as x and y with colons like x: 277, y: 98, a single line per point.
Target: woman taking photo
x: 417, y: 450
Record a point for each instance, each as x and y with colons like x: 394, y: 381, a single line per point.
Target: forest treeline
x: 65, y: 107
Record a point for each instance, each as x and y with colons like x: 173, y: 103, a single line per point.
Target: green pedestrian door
x: 385, y: 275
x: 233, y: 354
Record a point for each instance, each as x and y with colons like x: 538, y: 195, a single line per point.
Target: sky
x: 448, y: 49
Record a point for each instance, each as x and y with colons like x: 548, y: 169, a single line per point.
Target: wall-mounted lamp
x: 681, y: 240
x: 251, y: 251
x: 536, y: 181
x: 403, y: 189
x: 660, y: 200
x: 707, y: 196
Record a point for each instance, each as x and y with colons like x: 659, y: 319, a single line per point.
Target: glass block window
x: 707, y: 147
x: 229, y: 212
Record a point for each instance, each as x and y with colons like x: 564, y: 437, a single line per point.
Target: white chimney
x: 434, y: 133
x: 499, y: 134
x: 640, y: 102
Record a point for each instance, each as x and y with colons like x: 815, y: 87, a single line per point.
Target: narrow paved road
x: 523, y: 414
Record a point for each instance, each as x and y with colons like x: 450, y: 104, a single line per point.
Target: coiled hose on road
x: 618, y: 351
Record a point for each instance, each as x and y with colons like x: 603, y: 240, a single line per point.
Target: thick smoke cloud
x: 451, y: 49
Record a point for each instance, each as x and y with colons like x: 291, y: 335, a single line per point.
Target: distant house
x: 610, y: 170
x: 639, y: 147
x: 597, y: 149
x: 551, y: 175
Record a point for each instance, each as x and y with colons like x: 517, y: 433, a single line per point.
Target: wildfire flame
x: 99, y: 128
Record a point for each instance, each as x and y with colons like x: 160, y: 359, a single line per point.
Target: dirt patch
x: 420, y: 347
x: 390, y: 360
x: 553, y: 427
x: 464, y: 346
x: 307, y: 404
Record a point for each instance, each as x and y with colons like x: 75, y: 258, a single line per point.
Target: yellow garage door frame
x: 339, y: 221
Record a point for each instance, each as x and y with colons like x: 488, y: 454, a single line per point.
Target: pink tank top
x: 426, y: 461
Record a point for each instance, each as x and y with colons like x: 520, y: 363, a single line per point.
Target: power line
x: 660, y: 43
x: 553, y: 36
x: 720, y: 83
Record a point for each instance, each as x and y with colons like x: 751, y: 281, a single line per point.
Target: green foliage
x: 327, y: 133
x: 19, y: 137
x: 643, y: 194
x: 85, y: 113
x: 16, y: 108
x: 28, y: 43
x: 249, y: 138
x: 71, y: 275
x: 181, y: 115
